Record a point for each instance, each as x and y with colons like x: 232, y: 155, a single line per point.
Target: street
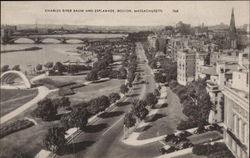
x: 103, y: 138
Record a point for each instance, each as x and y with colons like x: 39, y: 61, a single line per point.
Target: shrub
x: 92, y: 76
x: 14, y: 127
x: 209, y: 149
x: 53, y: 84
x: 183, y: 125
x: 65, y: 91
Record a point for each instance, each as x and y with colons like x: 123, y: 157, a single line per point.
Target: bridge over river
x: 64, y: 38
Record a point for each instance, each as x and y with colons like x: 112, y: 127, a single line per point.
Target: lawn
x: 95, y: 89
x: 8, y: 94
x: 27, y: 141
x: 167, y: 118
x: 14, y: 98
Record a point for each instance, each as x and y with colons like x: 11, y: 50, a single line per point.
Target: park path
x: 42, y: 93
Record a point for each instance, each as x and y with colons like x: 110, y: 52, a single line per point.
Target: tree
x: 98, y: 104
x: 5, y: 68
x: 77, y: 118
x: 123, y: 89
x: 92, y: 76
x: 131, y: 77
x: 46, y: 110
x: 55, y: 139
x: 151, y: 99
x: 16, y: 68
x: 62, y: 102
x: 129, y: 120
x: 48, y: 65
x: 160, y: 78
x: 104, y: 73
x: 113, y: 97
x: 59, y: 68
x: 39, y: 67
x: 101, y: 64
x: 139, y: 109
x: 156, y: 92
x: 72, y: 69
x: 122, y: 73
x: 140, y: 113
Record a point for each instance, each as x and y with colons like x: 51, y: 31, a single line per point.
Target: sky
x: 193, y: 12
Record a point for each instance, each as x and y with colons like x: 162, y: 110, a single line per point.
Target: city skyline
x: 194, y: 13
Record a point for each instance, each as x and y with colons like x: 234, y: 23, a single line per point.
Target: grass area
x: 95, y: 90
x: 27, y: 141
x: 8, y: 94
x: 14, y: 98
x: 190, y: 155
x: 205, y: 137
x: 167, y: 119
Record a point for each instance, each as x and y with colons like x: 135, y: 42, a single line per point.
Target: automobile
x: 169, y: 137
x: 184, y: 134
x: 185, y: 145
x: 200, y: 130
x: 167, y: 149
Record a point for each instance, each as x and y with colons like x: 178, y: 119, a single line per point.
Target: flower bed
x: 14, y: 127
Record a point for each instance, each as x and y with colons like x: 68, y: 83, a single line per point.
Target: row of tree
x: 5, y: 68
x: 140, y: 109
x: 78, y: 117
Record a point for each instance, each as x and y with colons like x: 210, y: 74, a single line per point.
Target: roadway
x: 102, y: 138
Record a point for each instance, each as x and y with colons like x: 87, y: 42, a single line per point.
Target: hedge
x: 183, y: 125
x: 14, y: 127
x: 209, y: 149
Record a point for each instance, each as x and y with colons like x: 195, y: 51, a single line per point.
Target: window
x: 247, y: 79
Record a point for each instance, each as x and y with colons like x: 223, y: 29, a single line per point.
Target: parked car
x: 185, y: 145
x: 184, y: 134
x: 200, y: 130
x: 167, y: 149
x: 169, y: 137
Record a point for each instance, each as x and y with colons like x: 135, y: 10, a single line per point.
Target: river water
x: 51, y: 51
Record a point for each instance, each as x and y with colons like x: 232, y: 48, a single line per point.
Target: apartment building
x: 236, y: 115
x: 185, y: 66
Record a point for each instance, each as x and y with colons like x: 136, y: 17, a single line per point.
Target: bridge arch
x: 22, y: 40
x: 8, y: 79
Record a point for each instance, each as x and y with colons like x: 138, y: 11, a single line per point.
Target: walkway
x: 42, y: 93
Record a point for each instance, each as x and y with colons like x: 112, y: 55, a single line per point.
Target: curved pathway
x: 42, y: 93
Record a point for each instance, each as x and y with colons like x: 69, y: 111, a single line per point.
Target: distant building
x: 185, y: 66
x: 152, y: 40
x: 232, y: 32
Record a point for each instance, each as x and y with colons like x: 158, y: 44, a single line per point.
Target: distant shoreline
x: 18, y: 50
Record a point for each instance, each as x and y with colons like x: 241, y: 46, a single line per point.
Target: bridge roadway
x: 102, y: 139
